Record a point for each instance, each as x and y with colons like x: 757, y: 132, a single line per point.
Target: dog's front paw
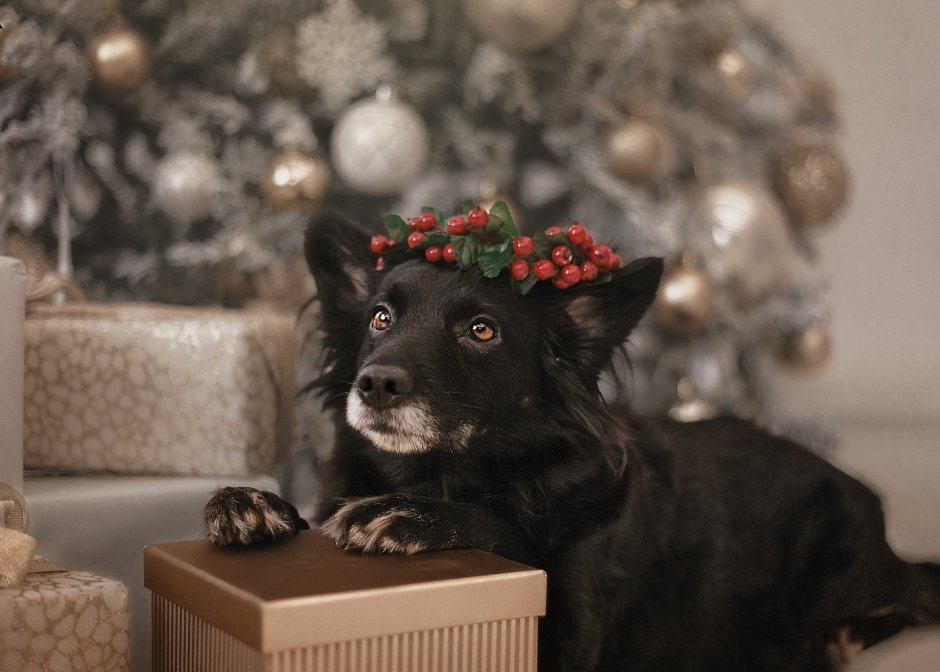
x: 388, y: 523
x: 246, y: 516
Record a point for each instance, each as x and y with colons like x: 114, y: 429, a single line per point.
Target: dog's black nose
x: 382, y: 386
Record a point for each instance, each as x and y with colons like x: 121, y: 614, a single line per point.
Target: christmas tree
x: 181, y: 146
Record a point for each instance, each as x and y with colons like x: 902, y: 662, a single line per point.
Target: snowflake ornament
x: 342, y: 53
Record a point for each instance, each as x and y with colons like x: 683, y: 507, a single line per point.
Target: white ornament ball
x: 183, y: 186
x: 521, y: 25
x: 744, y: 240
x: 379, y: 146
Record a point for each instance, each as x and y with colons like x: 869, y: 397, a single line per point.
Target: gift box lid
x: 306, y: 591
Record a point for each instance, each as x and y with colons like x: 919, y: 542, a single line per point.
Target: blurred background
x: 782, y: 158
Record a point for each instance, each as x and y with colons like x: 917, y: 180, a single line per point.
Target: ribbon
x: 16, y: 517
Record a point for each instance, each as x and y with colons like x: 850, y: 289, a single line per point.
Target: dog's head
x: 429, y: 358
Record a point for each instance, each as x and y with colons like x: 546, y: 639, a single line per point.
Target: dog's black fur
x: 668, y: 546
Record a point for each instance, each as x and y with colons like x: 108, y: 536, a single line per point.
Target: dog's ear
x: 340, y: 260
x: 589, y: 322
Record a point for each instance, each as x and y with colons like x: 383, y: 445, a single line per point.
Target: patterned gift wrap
x: 148, y: 389
x: 63, y: 621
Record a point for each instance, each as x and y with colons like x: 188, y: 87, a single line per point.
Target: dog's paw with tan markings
x: 245, y: 516
x: 383, y: 524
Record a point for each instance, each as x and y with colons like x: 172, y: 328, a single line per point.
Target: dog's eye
x: 482, y: 330
x: 381, y: 319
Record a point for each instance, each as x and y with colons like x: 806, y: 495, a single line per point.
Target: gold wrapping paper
x: 149, y: 389
x: 64, y: 621
x: 305, y: 599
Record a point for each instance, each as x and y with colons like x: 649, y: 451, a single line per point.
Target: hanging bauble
x: 183, y: 186
x: 690, y: 406
x: 521, y: 25
x: 684, y: 302
x: 811, y: 181
x: 636, y: 151
x: 490, y: 194
x: 120, y: 59
x: 29, y: 210
x: 807, y: 349
x: 7, y: 72
x: 84, y: 195
x: 296, y: 180
x: 734, y: 75
x: 744, y: 241
x: 379, y: 145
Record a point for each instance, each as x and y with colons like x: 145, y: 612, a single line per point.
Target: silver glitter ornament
x: 380, y: 145
x: 183, y: 186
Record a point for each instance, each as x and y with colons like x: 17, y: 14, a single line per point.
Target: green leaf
x: 543, y: 248
x: 601, y: 279
x: 467, y: 249
x: 396, y: 227
x: 495, y: 227
x: 525, y: 285
x: 467, y: 206
x: 436, y: 238
x: 495, y: 258
x: 508, y: 227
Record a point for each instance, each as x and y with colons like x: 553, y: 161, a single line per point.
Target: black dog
x: 468, y: 416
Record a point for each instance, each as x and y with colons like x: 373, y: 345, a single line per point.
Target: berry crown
x: 491, y: 241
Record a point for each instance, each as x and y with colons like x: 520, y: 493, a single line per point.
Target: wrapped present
x: 64, y: 621
x: 12, y: 310
x: 101, y: 523
x: 141, y: 388
x: 306, y: 605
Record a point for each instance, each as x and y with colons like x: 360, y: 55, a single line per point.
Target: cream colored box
x: 12, y: 311
x: 64, y: 621
x: 150, y: 389
x: 306, y: 605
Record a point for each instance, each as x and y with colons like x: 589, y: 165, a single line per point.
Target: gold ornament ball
x: 296, y: 180
x: 521, y: 25
x: 812, y: 183
x: 809, y: 349
x: 684, y: 303
x: 636, y: 151
x: 120, y: 59
x: 735, y: 75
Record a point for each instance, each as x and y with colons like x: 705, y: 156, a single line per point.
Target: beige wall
x: 884, y: 255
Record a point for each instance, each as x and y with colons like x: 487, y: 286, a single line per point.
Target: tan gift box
x: 306, y: 605
x: 150, y: 389
x: 64, y: 621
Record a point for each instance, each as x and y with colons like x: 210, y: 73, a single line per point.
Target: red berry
x: 588, y: 271
x: 478, y: 217
x: 450, y: 254
x: 600, y: 255
x: 457, y: 226
x: 426, y: 220
x: 380, y: 263
x: 415, y: 239
x: 414, y: 223
x: 588, y: 242
x: 523, y: 246
x: 544, y: 269
x: 554, y: 231
x: 560, y: 283
x: 571, y: 274
x: 518, y: 269
x: 576, y: 234
x: 562, y: 255
x: 379, y: 244
x: 434, y: 253
x: 614, y: 261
